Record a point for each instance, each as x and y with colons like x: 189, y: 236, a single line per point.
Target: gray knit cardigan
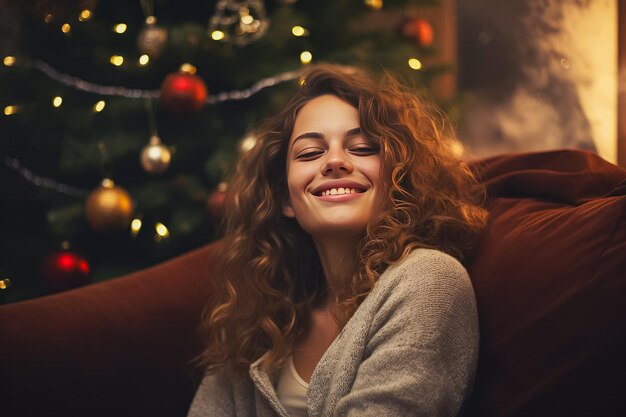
x: 410, y: 349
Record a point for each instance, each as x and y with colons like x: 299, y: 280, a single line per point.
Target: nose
x: 337, y: 161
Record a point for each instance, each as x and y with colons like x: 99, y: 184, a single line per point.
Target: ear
x: 288, y: 209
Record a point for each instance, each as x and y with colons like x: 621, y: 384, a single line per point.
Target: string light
x: 415, y: 64
x: 9, y: 60
x: 144, y: 59
x: 9, y: 110
x: 66, y: 28
x: 57, y: 101
x: 48, y: 183
x: 217, y: 35
x: 306, y: 57
x: 82, y: 85
x: 248, y: 143
x: 120, y: 28
x: 161, y: 232
x: 48, y: 18
x: 99, y: 106
x: 5, y: 283
x: 135, y: 226
x: 299, y: 31
x: 374, y: 4
x: 117, y: 60
x: 151, y: 20
x: 85, y: 15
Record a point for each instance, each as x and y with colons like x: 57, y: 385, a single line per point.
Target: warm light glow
x: 117, y: 60
x: 84, y: 15
x: 144, y: 59
x: 247, y: 143
x: 48, y: 18
x: 246, y: 20
x: 306, y: 57
x: 135, y: 226
x: 188, y: 69
x: 5, y: 283
x: 57, y: 101
x: 9, y: 60
x: 99, y: 106
x: 151, y: 20
x: 299, y: 31
x: 120, y: 28
x: 161, y: 230
x: 415, y: 63
x: 374, y: 4
x: 217, y: 35
x: 9, y: 110
x: 66, y: 28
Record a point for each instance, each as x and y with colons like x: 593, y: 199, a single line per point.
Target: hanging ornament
x: 183, y: 91
x: 155, y: 157
x: 239, y: 22
x: 215, y: 203
x: 152, y: 38
x: 419, y: 31
x: 64, y: 270
x: 109, y: 207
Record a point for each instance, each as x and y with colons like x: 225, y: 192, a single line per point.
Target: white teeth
x: 339, y: 191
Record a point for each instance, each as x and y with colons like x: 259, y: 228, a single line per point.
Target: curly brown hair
x: 274, y: 277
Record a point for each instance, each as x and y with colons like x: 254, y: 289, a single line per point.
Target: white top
x: 291, y: 390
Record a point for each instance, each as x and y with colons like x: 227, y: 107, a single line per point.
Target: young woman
x: 342, y: 289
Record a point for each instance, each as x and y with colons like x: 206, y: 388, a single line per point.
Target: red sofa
x: 549, y: 276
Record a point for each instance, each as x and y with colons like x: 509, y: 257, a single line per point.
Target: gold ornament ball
x: 155, y: 157
x: 151, y: 40
x: 109, y: 208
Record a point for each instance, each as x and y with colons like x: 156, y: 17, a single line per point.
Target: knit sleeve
x: 422, y: 351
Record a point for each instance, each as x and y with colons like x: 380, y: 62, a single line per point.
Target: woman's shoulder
x: 426, y: 273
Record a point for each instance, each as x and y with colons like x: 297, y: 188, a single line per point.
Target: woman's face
x: 333, y: 171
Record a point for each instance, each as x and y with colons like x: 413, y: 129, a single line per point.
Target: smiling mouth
x: 339, y: 191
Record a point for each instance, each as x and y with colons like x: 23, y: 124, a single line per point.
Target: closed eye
x: 365, y: 150
x: 309, y: 154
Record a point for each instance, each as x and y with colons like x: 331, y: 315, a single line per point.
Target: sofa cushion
x: 550, y: 282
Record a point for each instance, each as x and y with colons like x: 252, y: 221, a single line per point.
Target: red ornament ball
x: 419, y: 31
x: 181, y: 93
x: 64, y: 270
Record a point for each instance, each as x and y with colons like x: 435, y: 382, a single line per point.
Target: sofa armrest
x: 117, y: 348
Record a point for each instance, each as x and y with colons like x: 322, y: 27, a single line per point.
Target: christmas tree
x: 122, y: 119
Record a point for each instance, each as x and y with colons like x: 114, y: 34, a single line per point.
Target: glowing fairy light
x: 144, y: 59
x: 299, y: 31
x: 9, y: 60
x: 85, y: 15
x: 135, y: 226
x: 217, y: 35
x: 374, y: 4
x: 306, y: 57
x: 120, y: 28
x: 66, y: 28
x: 161, y: 230
x: 10, y: 110
x: 99, y: 106
x: 415, y: 64
x: 57, y: 101
x: 117, y: 60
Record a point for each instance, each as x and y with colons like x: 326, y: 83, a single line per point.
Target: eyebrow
x: 317, y: 135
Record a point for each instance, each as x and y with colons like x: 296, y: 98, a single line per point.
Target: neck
x: 338, y: 258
